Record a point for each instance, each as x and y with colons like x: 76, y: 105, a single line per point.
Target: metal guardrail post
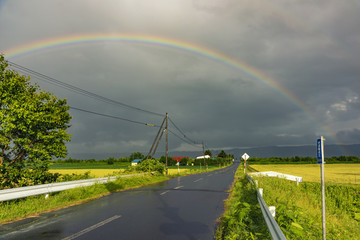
x: 272, y: 225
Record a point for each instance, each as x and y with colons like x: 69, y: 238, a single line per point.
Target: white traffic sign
x: 245, y: 156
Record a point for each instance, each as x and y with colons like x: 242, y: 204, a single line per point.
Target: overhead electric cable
x: 194, y: 142
x: 115, y: 117
x: 177, y: 127
x: 77, y: 89
x: 183, y: 139
x: 81, y: 91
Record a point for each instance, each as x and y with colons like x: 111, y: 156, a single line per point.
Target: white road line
x: 198, y: 180
x: 178, y: 187
x: 164, y: 192
x: 86, y: 230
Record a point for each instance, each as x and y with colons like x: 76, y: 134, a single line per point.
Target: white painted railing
x: 272, y: 225
x: 23, y: 192
x: 279, y: 175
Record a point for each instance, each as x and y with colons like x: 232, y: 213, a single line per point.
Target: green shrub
x: 74, y: 177
x: 14, y: 177
x: 148, y: 165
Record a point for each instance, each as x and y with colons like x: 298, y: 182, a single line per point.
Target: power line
x: 183, y: 139
x: 75, y: 89
x: 115, y: 117
x: 189, y: 139
x: 81, y: 91
x: 132, y: 121
x: 177, y: 127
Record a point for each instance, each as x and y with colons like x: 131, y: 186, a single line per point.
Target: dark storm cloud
x: 349, y: 136
x: 309, y: 48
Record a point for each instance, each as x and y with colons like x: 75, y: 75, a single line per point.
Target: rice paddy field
x: 334, y: 173
x: 98, y: 173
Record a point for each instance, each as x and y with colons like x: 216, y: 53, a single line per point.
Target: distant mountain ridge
x: 270, y: 151
x: 301, y: 151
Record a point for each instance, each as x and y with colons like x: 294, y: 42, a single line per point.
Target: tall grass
x: 242, y: 218
x: 298, y: 208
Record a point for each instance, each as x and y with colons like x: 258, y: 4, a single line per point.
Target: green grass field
x: 334, y: 173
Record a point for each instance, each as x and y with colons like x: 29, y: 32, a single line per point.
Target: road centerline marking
x: 93, y: 227
x: 164, y: 192
x: 178, y: 187
x: 198, y: 179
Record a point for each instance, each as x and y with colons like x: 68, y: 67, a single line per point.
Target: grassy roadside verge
x: 242, y: 218
x: 298, y: 208
x: 18, y: 209
x: 22, y: 208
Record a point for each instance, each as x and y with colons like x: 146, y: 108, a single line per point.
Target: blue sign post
x: 320, y: 157
x: 319, y: 151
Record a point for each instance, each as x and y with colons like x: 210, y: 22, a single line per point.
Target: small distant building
x: 202, y: 157
x: 178, y: 158
x: 135, y: 162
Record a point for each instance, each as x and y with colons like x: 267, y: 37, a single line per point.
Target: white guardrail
x: 272, y: 225
x: 23, y: 192
x: 279, y: 175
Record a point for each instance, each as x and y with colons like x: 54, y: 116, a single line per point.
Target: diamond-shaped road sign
x: 245, y: 156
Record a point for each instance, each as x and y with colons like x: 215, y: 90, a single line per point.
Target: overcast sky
x: 309, y: 49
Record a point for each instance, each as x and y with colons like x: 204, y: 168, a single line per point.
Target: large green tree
x: 208, y: 152
x: 136, y: 155
x: 33, y: 122
x: 222, y: 154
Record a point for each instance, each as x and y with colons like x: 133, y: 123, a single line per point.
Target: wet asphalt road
x: 181, y: 208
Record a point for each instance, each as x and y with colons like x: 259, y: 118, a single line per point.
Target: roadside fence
x: 269, y: 212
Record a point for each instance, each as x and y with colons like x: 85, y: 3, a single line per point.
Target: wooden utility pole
x: 150, y: 154
x: 157, y: 144
x: 203, y: 147
x: 204, y: 154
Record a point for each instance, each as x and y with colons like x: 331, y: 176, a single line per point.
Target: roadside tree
x: 136, y: 155
x: 33, y: 123
x: 222, y: 154
x: 208, y: 152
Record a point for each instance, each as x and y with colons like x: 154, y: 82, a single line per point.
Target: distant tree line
x: 302, y: 160
x: 214, y: 161
x: 110, y: 160
x: 221, y: 159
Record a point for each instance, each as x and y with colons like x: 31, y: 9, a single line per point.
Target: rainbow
x: 64, y: 41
